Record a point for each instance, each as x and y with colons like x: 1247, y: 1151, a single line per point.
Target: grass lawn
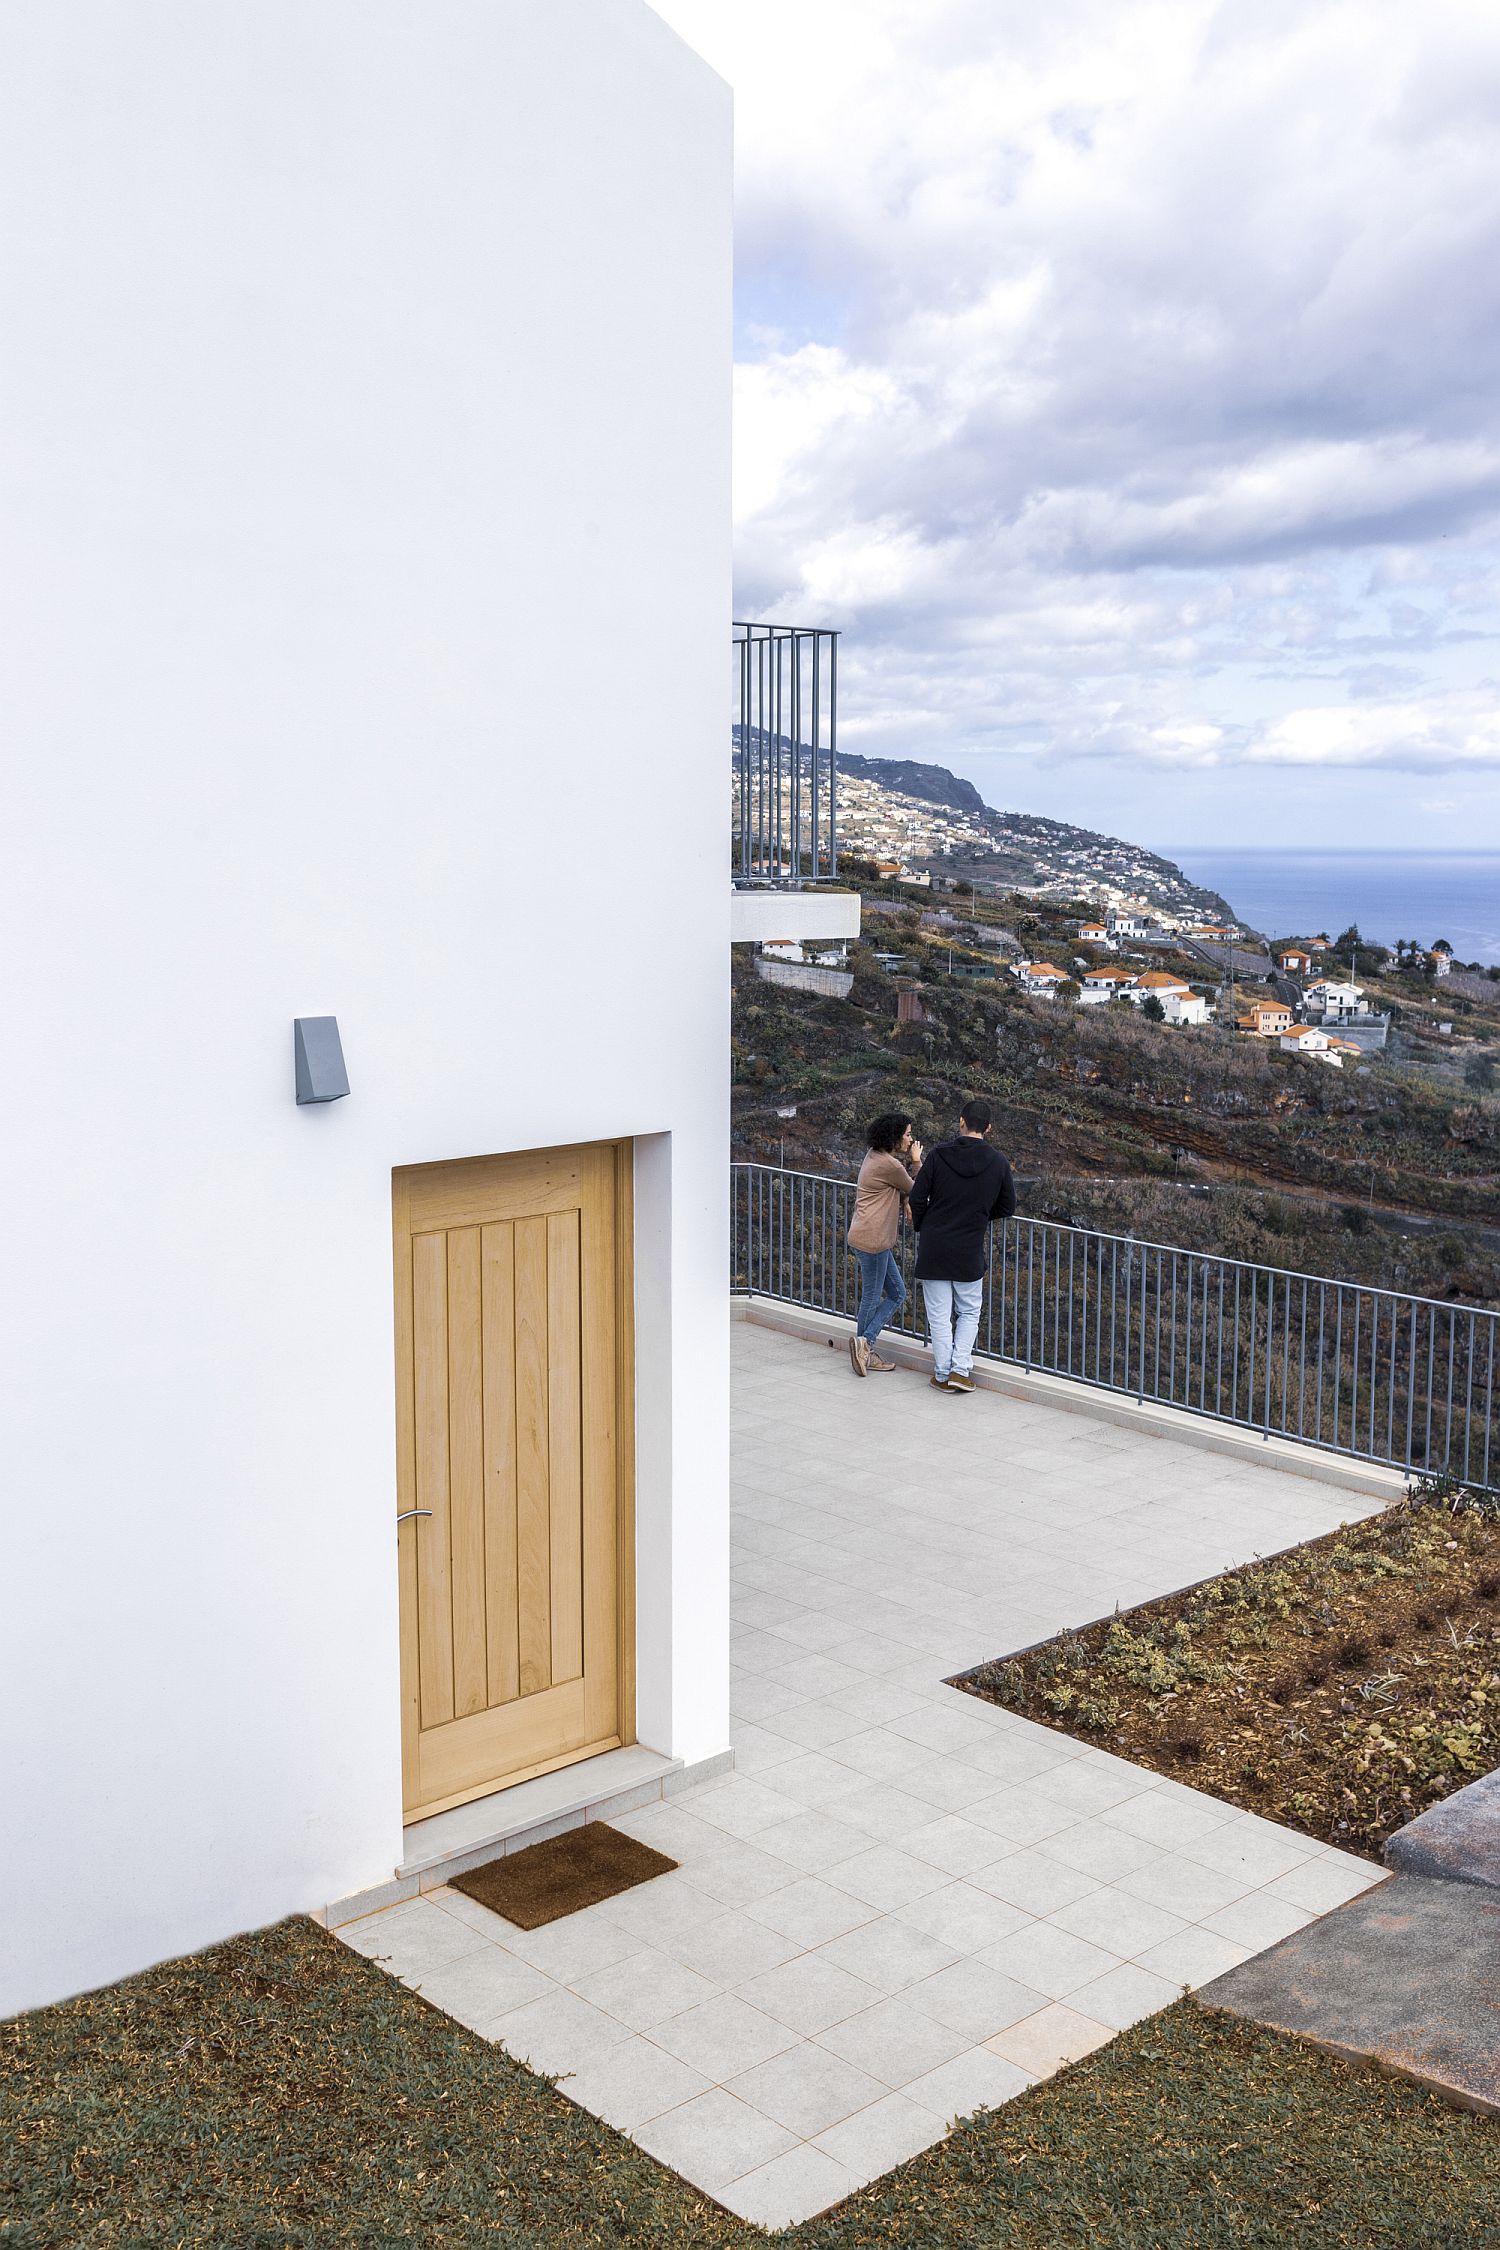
x: 1340, y: 1688
x: 282, y: 2093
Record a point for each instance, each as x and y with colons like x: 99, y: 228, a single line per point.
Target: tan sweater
x: 882, y: 1185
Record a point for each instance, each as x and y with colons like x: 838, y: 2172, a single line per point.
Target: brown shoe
x: 957, y: 1382
x: 874, y: 1366
x: 859, y: 1354
x: 938, y: 1382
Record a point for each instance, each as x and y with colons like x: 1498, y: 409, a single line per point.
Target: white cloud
x: 1438, y: 732
x: 1107, y: 359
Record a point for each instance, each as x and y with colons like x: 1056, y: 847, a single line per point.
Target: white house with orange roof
x: 1309, y: 1039
x: 1179, y: 1002
x: 1040, y: 977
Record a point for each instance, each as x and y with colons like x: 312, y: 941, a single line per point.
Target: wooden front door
x: 514, y: 1438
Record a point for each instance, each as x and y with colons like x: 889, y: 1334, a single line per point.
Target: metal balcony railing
x: 785, y: 740
x: 1405, y: 1381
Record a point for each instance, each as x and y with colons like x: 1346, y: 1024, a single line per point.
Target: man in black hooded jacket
x: 962, y: 1187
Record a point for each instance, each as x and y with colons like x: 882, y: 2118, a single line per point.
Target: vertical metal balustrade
x: 1376, y: 1374
x: 785, y: 738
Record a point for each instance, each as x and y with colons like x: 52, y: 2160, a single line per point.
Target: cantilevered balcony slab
x: 768, y: 917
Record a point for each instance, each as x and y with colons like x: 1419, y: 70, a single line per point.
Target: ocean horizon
x: 1389, y: 894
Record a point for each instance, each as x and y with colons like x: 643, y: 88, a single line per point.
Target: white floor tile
x: 894, y: 2040
x: 956, y: 1845
x: 889, y: 1954
x: 810, y: 1911
x: 1104, y: 1854
x: 1124, y: 1996
x: 630, y: 2082
x: 885, y: 1877
x: 1033, y: 1882
x: 1123, y: 1925
x: 736, y: 1874
x: 1258, y: 1920
x: 412, y: 1938
x: 974, y: 1999
x: 1046, y: 2042
x: 1320, y: 1885
x: 809, y: 1994
x: 657, y: 1912
x: 875, y: 2140
x: 1157, y: 1818
x: 714, y: 2139
x: 644, y: 1988
x: 793, y: 2186
x: 1183, y: 1887
x: 1048, y: 1959
x: 1193, y: 1957
x: 481, y: 1986
x: 976, y: 2079
x: 814, y: 1723
x: 558, y: 2033
x: 807, y: 2088
x: 740, y: 1807
x: 722, y: 2037
x: 964, y: 1917
x: 730, y: 1948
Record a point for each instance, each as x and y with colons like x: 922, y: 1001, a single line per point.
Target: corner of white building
x: 367, y: 453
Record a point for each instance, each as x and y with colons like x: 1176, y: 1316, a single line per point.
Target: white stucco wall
x: 365, y: 474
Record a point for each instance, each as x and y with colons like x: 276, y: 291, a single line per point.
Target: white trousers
x: 953, y: 1320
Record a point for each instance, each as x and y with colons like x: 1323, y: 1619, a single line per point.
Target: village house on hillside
x: 1308, y: 1039
x: 1103, y: 984
x: 1040, y: 977
x: 1265, y: 1019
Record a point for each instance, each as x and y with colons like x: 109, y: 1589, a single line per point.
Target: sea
x: 1421, y: 895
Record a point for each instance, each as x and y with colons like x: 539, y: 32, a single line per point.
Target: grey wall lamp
x: 319, y: 1052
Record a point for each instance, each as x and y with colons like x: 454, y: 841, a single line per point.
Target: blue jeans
x: 882, y: 1292
x: 953, y: 1321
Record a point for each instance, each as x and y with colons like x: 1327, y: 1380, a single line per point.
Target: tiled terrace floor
x: 903, y: 1904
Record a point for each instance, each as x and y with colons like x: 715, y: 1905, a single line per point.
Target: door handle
x: 406, y: 1513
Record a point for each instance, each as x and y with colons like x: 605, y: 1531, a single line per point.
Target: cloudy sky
x: 1123, y: 377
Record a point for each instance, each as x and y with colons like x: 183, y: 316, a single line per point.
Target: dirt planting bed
x: 1340, y: 1688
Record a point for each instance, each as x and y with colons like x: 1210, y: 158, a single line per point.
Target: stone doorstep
x: 1403, y: 1977
x: 435, y: 1850
x: 1145, y: 1416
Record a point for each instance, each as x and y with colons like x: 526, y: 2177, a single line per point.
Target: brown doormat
x: 567, y: 1872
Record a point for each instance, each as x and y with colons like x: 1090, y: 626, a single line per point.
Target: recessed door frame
x: 624, y: 1377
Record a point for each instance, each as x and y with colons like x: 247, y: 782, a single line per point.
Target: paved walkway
x: 904, y: 1904
x: 1407, y: 1977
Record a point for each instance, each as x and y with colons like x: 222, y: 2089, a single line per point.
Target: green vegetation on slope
x: 1195, y: 1135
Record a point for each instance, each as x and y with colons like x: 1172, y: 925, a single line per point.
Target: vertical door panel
x: 565, y: 1445
x: 498, y: 1296
x: 533, y: 1495
x: 430, y: 1352
x: 466, y: 1473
